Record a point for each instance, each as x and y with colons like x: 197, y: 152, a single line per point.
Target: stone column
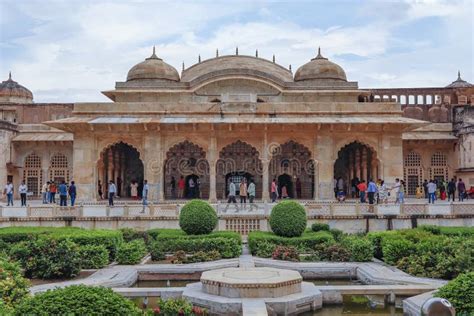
x: 212, y: 158
x: 324, y: 154
x: 391, y: 157
x: 110, y: 165
x: 364, y: 164
x: 374, y: 172
x: 265, y: 165
x: 316, y: 172
x: 153, y: 162
x: 84, y: 162
x: 357, y: 164
x: 351, y: 165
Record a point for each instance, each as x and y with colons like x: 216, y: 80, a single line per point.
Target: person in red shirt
x: 181, y: 186
x: 362, y: 186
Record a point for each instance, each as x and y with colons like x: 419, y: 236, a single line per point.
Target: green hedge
x: 78, y: 300
x: 288, y: 219
x: 111, y: 239
x: 228, y: 244
x: 308, y: 240
x: 93, y: 256
x: 13, y: 286
x: 131, y: 252
x: 197, y: 217
x: 460, y: 293
x: 449, y: 231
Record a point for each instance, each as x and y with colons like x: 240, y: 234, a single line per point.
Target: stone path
x: 246, y: 259
x: 254, y: 307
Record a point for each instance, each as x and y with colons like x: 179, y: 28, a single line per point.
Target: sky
x: 70, y: 50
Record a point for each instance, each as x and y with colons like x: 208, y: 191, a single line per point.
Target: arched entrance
x: 238, y: 160
x: 236, y: 178
x: 292, y: 165
x: 33, y: 174
x: 120, y: 163
x: 186, y: 160
x: 355, y: 162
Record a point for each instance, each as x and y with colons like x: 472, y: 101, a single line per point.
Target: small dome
x: 459, y: 83
x: 320, y: 68
x: 153, y: 68
x: 11, y: 91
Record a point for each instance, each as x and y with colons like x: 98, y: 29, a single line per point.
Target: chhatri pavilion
x: 234, y: 117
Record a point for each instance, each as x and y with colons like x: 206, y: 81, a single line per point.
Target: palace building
x: 233, y: 117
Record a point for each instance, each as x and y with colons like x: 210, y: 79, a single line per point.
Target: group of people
x: 245, y: 191
x: 434, y: 189
x: 372, y: 191
x: 112, y: 193
x: 48, y: 193
x: 193, y: 189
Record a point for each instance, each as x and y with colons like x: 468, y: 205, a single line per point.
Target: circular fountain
x: 227, y: 291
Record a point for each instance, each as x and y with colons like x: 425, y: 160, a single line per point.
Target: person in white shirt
x: 23, y: 189
x: 112, y: 192
x: 8, y: 191
x: 431, y: 191
x: 44, y: 192
x: 145, y: 191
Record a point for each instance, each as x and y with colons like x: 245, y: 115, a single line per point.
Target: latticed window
x: 413, y: 172
x: 33, y: 174
x: 439, y: 167
x: 438, y: 159
x: 59, y: 168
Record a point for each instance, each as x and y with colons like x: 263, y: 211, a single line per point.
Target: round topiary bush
x: 78, y: 300
x: 460, y: 293
x: 197, y: 218
x: 288, y: 219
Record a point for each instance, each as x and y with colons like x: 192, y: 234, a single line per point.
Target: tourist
x: 335, y: 187
x: 451, y: 190
x: 112, y: 191
x: 382, y: 192
x: 44, y: 192
x: 340, y: 184
x: 8, y: 191
x: 419, y: 192
x: 371, y: 190
x: 72, y: 193
x: 62, y: 194
x: 99, y: 191
x: 191, y: 188
x: 274, y: 191
x: 461, y: 190
x: 401, y: 192
x: 52, y: 192
x: 396, y: 189
x: 431, y: 187
x: 251, y: 191
x: 362, y: 186
x: 23, y: 189
x: 231, y: 192
x: 243, y: 191
x: 145, y: 191
x: 298, y: 188
x: 425, y: 188
x: 284, y: 192
x: 134, y: 190
x: 197, y: 189
x: 353, y: 188
x: 181, y: 186
x: 173, y: 187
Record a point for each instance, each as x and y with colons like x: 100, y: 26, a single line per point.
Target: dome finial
x: 183, y: 66
x: 236, y: 50
x: 153, y: 55
x: 217, y: 52
x: 289, y: 68
x: 10, y: 75
x: 319, y: 55
x: 459, y: 75
x: 256, y: 53
x: 199, y: 58
x: 273, y: 58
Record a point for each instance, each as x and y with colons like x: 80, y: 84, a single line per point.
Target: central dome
x: 12, y: 91
x: 153, y: 68
x: 320, y: 68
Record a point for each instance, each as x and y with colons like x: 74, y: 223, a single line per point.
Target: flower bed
x: 170, y: 241
x: 422, y: 253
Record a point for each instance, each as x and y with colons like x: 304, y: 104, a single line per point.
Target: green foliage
x: 5, y: 310
x: 111, y: 239
x: 286, y: 253
x: 77, y: 300
x: 360, y: 248
x: 13, y: 286
x: 228, y: 244
x: 337, y: 234
x: 307, y: 241
x: 156, y: 251
x: 316, y: 227
x: 288, y: 219
x: 197, y: 217
x: 131, y: 252
x: 448, y: 230
x: 48, y: 258
x: 177, y: 306
x: 265, y: 249
x: 460, y: 292
x: 395, y: 248
x: 130, y: 234
x: 93, y: 256
x: 336, y: 252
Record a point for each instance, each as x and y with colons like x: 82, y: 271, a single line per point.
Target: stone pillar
x: 110, y: 165
x: 357, y: 163
x: 212, y: 157
x: 391, y: 157
x: 84, y: 162
x: 265, y: 166
x: 154, y: 157
x: 364, y: 164
x: 374, y: 173
x: 324, y: 154
x: 316, y: 173
x: 351, y: 165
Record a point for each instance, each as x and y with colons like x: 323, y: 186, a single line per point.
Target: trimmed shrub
x: 336, y: 252
x: 316, y: 227
x: 13, y: 286
x: 394, y: 249
x: 460, y: 292
x: 156, y: 251
x: 306, y: 242
x: 48, y: 258
x: 337, y: 234
x: 93, y: 256
x: 285, y: 253
x: 178, y: 306
x: 78, y: 300
x: 448, y: 230
x: 131, y: 252
x: 265, y: 249
x: 130, y: 234
x: 197, y: 217
x: 288, y: 219
x: 360, y: 248
x: 111, y: 239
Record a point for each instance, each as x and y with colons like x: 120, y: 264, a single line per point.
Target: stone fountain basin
x: 251, y: 282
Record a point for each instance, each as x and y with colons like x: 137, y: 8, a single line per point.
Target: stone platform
x: 251, y: 282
